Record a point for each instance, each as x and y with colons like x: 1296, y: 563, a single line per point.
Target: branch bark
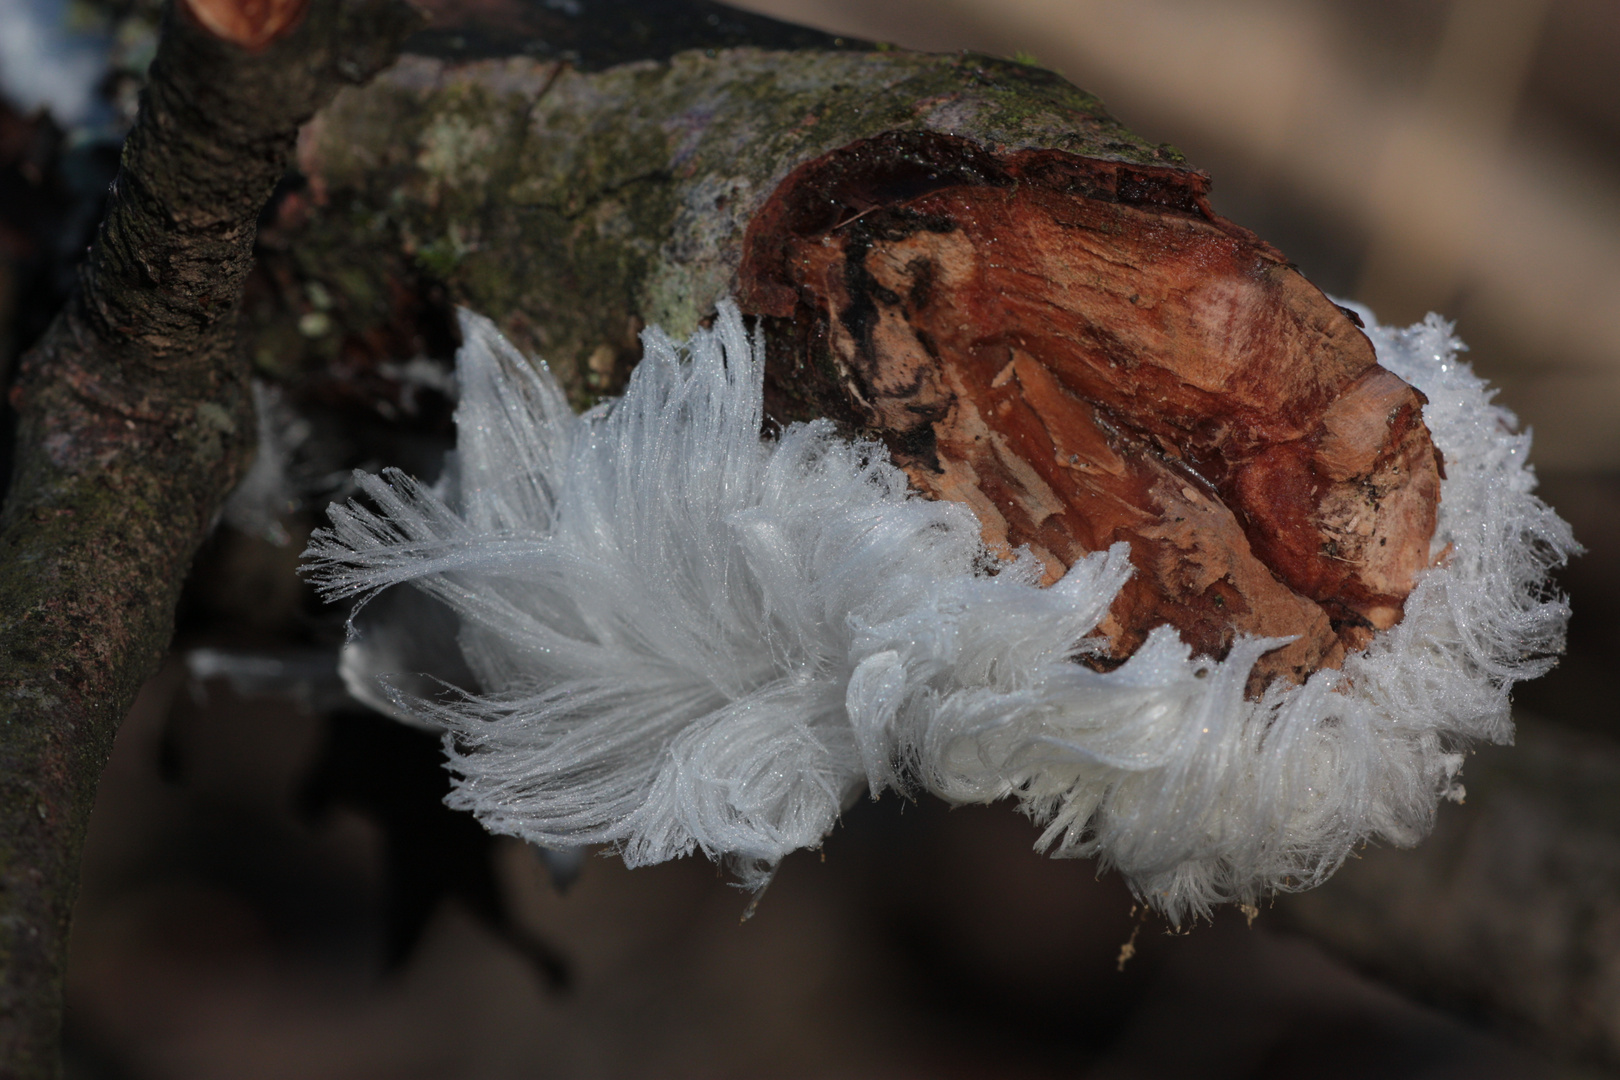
x: 134, y: 421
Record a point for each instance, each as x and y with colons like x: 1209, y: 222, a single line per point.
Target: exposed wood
x: 1084, y: 353
x: 252, y: 24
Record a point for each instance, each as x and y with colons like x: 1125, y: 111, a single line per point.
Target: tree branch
x: 572, y: 205
x: 134, y: 421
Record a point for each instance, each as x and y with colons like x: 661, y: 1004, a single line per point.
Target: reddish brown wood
x: 252, y: 24
x: 1084, y: 353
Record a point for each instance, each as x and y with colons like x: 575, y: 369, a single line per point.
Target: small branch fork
x: 134, y: 421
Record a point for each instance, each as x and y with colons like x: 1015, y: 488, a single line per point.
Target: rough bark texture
x: 134, y: 421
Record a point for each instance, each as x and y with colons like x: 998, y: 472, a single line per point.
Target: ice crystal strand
x: 685, y: 637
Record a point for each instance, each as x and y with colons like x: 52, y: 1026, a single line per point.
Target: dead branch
x: 914, y: 228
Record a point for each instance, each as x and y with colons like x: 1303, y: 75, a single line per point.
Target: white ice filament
x: 686, y: 637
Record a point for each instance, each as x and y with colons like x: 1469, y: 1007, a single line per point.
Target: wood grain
x: 1083, y: 353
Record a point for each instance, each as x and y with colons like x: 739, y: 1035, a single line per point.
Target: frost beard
x: 686, y: 637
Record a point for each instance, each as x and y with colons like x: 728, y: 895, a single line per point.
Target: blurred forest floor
x: 234, y: 922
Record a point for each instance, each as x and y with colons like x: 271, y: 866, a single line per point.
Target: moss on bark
x: 574, y: 206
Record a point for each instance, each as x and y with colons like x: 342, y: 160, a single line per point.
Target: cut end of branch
x: 252, y: 24
x: 1083, y: 353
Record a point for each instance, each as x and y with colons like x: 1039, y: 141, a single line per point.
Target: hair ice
x: 686, y: 637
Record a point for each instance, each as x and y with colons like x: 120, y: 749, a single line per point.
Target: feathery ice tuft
x: 681, y: 636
